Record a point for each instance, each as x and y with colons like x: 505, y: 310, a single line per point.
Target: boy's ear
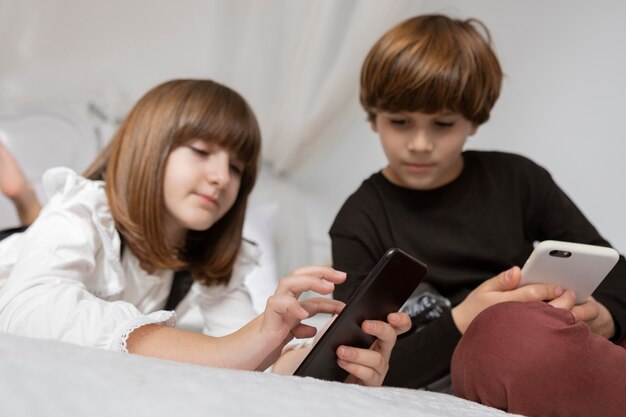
x: 373, y: 125
x: 474, y: 129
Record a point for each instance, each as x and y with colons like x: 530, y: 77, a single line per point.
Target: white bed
x: 48, y: 378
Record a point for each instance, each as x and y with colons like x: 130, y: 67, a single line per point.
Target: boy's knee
x: 509, y: 341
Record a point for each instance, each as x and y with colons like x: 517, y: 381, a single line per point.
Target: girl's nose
x: 218, y: 170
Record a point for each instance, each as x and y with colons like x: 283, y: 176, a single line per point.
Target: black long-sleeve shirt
x: 467, y: 231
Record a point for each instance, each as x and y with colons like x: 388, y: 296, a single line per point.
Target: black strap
x: 181, y: 284
x: 8, y: 232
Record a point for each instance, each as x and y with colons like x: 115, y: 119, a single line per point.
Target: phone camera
x: 560, y: 253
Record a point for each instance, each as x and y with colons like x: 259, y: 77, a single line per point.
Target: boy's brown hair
x: 133, y: 167
x: 430, y: 63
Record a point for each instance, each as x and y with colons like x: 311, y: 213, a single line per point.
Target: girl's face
x: 423, y: 150
x: 201, y: 184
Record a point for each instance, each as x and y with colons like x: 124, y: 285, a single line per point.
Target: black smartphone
x: 387, y: 287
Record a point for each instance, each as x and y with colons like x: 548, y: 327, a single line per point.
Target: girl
x: 168, y: 193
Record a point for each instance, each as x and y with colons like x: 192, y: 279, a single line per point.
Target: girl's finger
x: 282, y: 304
x: 322, y: 305
x: 321, y: 271
x: 303, y: 331
x: 297, y: 284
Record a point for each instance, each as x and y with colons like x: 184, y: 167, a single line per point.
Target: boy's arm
x: 359, y: 237
x: 423, y: 357
x: 560, y: 219
x: 350, y: 256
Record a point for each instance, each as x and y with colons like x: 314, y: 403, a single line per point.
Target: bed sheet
x: 49, y: 378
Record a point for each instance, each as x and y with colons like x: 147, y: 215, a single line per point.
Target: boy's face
x: 423, y: 150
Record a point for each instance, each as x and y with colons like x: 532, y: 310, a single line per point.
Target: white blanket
x: 46, y: 378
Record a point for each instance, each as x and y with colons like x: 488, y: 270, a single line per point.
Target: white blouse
x: 64, y: 278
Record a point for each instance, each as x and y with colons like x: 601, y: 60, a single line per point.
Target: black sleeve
x: 561, y: 219
x: 422, y: 357
x: 356, y: 240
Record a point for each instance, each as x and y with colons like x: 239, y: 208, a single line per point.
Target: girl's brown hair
x: 133, y: 167
x: 430, y: 63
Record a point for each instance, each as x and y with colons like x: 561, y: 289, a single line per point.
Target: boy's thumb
x: 510, y: 278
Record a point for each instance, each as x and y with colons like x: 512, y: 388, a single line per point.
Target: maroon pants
x: 535, y: 360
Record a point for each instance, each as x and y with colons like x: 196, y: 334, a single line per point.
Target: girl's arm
x: 257, y: 344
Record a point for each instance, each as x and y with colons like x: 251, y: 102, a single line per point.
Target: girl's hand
x: 503, y: 287
x: 281, y: 320
x: 369, y: 366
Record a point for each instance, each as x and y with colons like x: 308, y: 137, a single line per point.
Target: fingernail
x: 509, y: 274
x: 370, y: 325
x: 558, y: 291
x: 327, y: 283
x: 342, y: 352
x: 340, y: 273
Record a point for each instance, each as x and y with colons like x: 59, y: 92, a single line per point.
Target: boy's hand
x: 595, y: 314
x: 369, y: 366
x: 503, y: 287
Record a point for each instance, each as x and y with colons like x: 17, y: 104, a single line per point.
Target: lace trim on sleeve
x: 166, y: 318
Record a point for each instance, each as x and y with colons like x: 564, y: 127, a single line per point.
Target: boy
x: 427, y: 85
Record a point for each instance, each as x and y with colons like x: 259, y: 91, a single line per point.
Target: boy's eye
x: 236, y: 168
x: 399, y: 122
x: 443, y: 124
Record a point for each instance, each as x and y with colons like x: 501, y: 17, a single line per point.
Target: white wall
x: 562, y: 101
x: 562, y: 104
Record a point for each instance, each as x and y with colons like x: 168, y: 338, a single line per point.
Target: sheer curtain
x: 297, y: 62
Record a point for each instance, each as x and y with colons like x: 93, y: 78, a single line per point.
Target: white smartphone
x: 575, y: 266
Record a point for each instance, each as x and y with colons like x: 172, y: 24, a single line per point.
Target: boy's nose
x: 421, y: 142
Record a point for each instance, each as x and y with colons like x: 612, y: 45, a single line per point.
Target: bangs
x: 434, y: 87
x: 429, y: 64
x: 430, y: 76
x: 226, y: 121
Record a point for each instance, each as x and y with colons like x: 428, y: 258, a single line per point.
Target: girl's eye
x: 199, y: 151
